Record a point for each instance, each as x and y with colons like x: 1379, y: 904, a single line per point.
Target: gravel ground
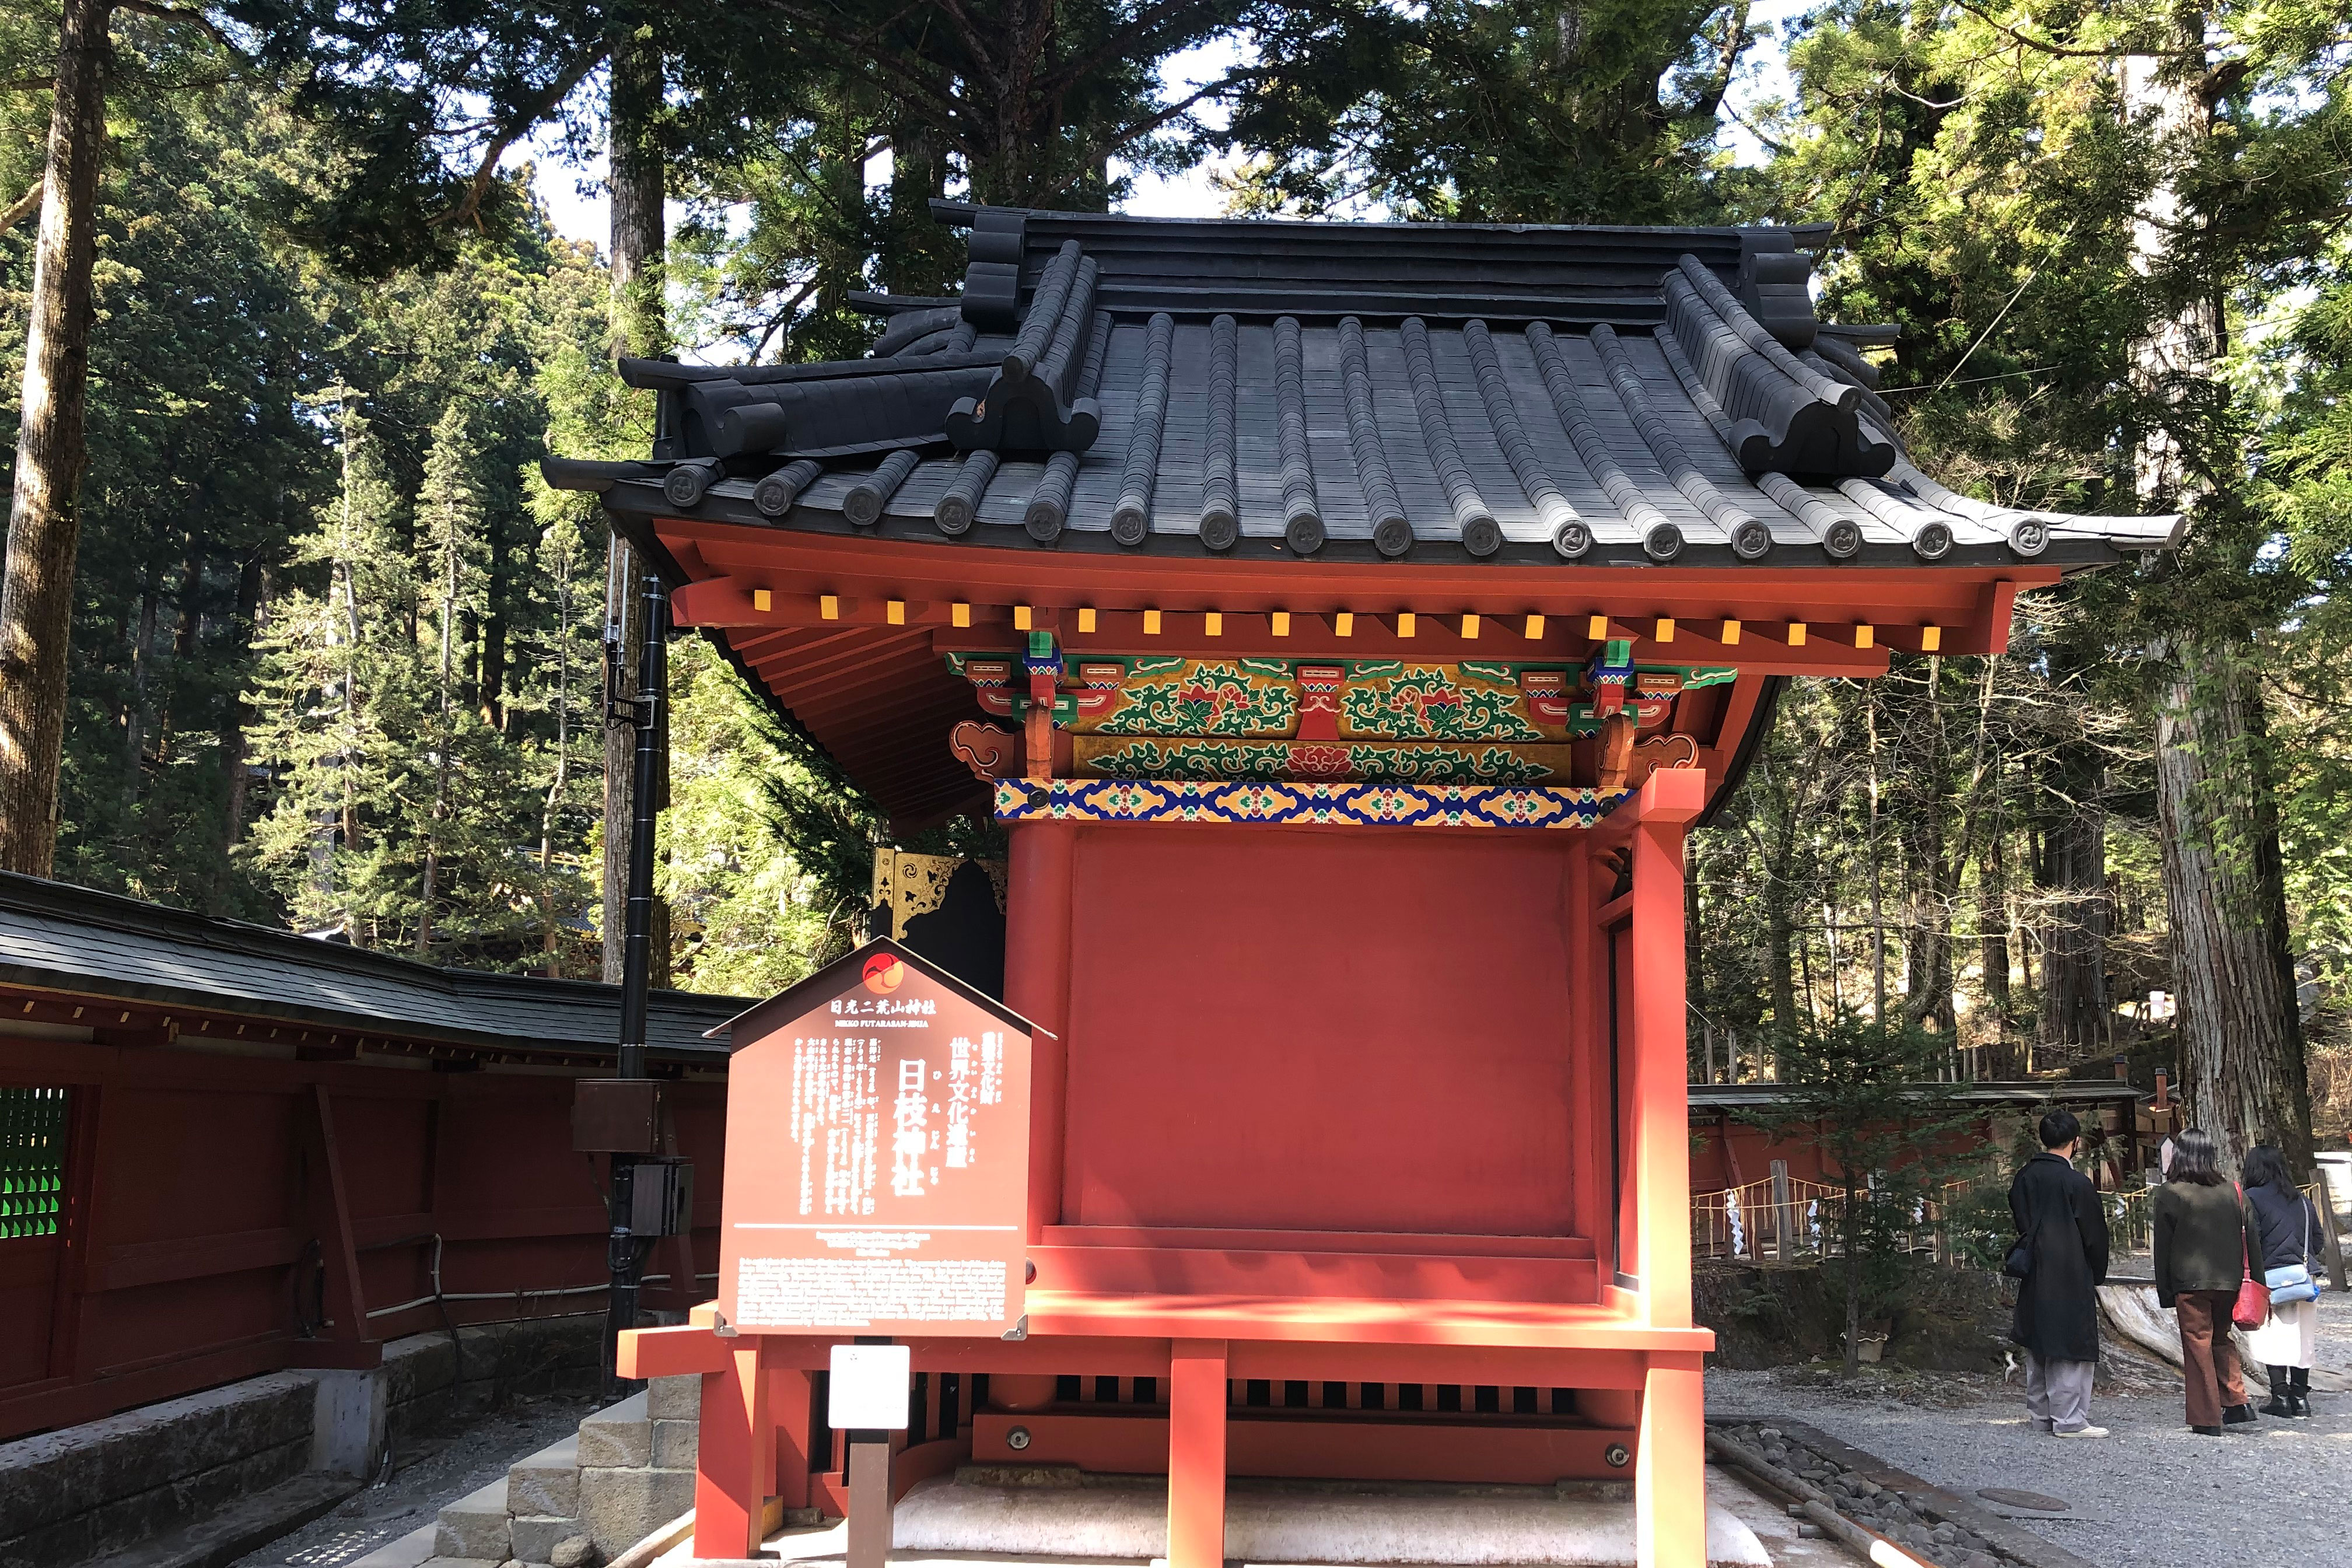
x: 438, y: 1469
x: 2153, y: 1495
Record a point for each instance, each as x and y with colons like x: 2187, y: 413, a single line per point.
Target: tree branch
x: 518, y: 126
x: 2063, y: 51
x: 196, y: 20
x: 1119, y: 44
x: 22, y: 208
x: 1106, y: 146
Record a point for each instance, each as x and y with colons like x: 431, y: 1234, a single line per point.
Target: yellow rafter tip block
x: 1023, y: 619
x: 828, y: 607
x: 1404, y: 623
x: 762, y: 600
x: 1469, y: 628
x: 895, y: 612
x: 1864, y: 637
x: 1665, y: 628
x: 1152, y: 623
x: 1731, y: 634
x: 1086, y: 620
x: 1212, y: 624
x: 1930, y: 638
x: 1597, y: 628
x: 1280, y: 621
x: 1796, y: 634
x: 958, y: 614
x: 1343, y: 625
x: 1534, y: 627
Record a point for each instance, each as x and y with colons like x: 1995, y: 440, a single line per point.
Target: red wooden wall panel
x: 1320, y: 1031
x: 199, y: 1216
x: 195, y: 1161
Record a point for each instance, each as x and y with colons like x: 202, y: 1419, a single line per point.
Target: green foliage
x: 1481, y: 112
x: 1865, y: 1095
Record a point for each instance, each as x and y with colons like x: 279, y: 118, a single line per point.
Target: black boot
x: 2238, y: 1414
x: 2299, y: 1393
x: 2281, y: 1402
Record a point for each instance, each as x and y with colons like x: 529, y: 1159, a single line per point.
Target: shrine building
x: 1347, y: 622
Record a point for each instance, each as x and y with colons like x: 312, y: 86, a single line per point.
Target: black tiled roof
x: 1524, y: 394
x: 57, y: 936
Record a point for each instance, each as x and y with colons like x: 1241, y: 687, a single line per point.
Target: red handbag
x: 2252, y: 1309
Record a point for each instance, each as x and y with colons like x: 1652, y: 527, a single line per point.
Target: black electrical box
x: 661, y: 1197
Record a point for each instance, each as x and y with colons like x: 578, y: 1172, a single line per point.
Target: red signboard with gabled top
x: 877, y: 1156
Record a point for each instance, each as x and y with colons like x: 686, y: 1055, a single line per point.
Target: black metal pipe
x: 621, y: 1253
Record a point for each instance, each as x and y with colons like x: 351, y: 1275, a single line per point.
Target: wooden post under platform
x: 1196, y: 1454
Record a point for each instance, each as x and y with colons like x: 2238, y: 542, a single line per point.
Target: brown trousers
x: 2208, y: 1361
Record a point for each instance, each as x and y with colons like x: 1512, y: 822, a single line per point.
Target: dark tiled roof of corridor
x: 1529, y: 394
x: 57, y: 936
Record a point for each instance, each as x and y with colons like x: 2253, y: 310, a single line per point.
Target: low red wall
x: 200, y: 1200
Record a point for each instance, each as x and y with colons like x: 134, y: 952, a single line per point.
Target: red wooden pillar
x: 1670, y: 1472
x: 1660, y: 1129
x: 1037, y: 986
x: 737, y: 1454
x: 1196, y: 1454
x: 1670, y: 1464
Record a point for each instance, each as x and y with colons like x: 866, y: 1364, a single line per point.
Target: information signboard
x: 877, y: 1156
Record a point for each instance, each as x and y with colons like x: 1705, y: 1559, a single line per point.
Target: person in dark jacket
x: 2064, y: 1236
x: 2201, y: 1260
x: 2285, y: 1227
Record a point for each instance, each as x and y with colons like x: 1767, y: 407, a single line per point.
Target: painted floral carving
x: 1205, y: 699
x: 1275, y: 760
x: 1422, y: 702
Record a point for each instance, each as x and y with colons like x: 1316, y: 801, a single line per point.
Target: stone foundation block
x: 474, y: 1526
x: 619, y: 1437
x: 622, y: 1507
x: 675, y: 1443
x: 674, y: 1398
x: 536, y: 1536
x: 546, y: 1483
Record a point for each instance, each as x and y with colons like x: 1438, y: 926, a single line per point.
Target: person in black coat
x: 2063, y: 1244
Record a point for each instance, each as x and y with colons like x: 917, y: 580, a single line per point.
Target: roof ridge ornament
x: 1772, y: 410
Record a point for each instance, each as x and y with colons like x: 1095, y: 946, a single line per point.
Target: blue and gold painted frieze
x: 1295, y: 803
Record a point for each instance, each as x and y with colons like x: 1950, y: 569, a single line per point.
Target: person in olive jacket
x: 2065, y: 1237
x: 2201, y: 1260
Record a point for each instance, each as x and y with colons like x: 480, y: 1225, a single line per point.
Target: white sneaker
x: 2080, y: 1432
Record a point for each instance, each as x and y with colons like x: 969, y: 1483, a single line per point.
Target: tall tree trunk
x: 442, y: 744
x: 2241, y: 1039
x: 142, y: 662
x: 919, y: 254
x: 552, y: 949
x: 2072, y: 878
x: 640, y: 235
x: 184, y: 637
x: 2241, y: 1048
x: 1878, y: 873
x: 44, y: 514
x: 250, y: 586
x: 1992, y: 929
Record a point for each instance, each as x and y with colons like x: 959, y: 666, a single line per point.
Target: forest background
x: 337, y: 656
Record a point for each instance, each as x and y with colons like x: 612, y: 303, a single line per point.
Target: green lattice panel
x: 32, y: 1161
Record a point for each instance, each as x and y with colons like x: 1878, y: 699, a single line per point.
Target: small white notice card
x: 868, y: 1389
